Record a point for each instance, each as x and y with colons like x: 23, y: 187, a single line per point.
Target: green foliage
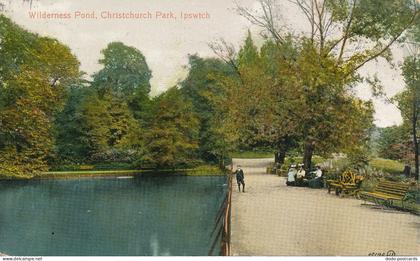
x: 293, y: 94
x: 108, y: 121
x: 125, y: 70
x: 201, y: 88
x: 252, y: 154
x: 395, y: 143
x: 71, y: 140
x: 409, y: 99
x: 409, y: 103
x: 102, y: 121
x: 95, y: 167
x: 34, y: 72
x: 126, y: 76
x: 359, y: 156
x: 290, y: 95
x: 172, y: 136
x: 376, y: 170
x: 248, y: 56
x: 387, y: 165
x: 95, y: 129
x: 372, y: 19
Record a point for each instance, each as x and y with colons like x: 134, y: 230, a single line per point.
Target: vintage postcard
x: 209, y: 128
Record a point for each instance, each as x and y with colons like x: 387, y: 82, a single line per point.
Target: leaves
x: 172, y: 136
x: 34, y: 72
x: 125, y: 71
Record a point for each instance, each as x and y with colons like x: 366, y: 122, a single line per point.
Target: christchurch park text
x: 120, y: 15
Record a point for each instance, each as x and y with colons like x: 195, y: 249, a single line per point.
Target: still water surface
x: 110, y: 216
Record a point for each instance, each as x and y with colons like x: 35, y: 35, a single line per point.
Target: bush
x: 97, y: 166
x: 115, y: 155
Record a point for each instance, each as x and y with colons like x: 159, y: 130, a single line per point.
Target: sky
x: 166, y: 41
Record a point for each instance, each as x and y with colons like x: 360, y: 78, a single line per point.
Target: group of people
x: 297, y: 176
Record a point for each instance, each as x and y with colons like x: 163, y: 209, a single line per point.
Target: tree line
x: 292, y: 92
x: 297, y: 92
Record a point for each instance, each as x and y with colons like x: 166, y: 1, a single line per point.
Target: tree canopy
x: 294, y: 92
x: 34, y: 73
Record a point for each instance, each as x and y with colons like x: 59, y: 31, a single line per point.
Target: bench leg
x: 337, y: 191
x: 356, y: 194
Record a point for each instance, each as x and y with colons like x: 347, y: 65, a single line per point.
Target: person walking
x: 240, y: 179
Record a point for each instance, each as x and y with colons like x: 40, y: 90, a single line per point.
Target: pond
x: 170, y: 215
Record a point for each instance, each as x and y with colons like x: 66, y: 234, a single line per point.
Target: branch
x: 333, y: 45
x: 320, y: 25
x: 346, y: 31
x: 226, y: 53
x: 383, y: 50
x: 266, y: 21
x: 308, y: 11
x: 390, y: 101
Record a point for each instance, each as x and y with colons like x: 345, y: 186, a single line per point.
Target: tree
x: 172, y: 137
x: 200, y: 87
x: 395, y: 143
x: 34, y: 71
x: 409, y: 102
x: 246, y: 99
x: 109, y: 127
x: 25, y: 140
x: 327, y: 64
x: 102, y: 121
x: 277, y: 103
x: 126, y: 75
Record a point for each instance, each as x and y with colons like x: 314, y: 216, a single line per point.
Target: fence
x: 223, y: 223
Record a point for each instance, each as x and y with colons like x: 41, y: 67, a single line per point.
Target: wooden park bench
x: 387, y: 192
x: 348, y: 184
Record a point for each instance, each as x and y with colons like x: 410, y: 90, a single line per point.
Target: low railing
x: 223, y: 223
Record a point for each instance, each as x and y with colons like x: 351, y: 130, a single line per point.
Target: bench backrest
x: 348, y: 177
x: 392, y: 188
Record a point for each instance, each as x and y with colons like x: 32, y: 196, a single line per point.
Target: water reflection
x: 140, y: 216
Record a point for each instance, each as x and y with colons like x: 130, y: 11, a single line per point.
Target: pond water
x: 171, y: 215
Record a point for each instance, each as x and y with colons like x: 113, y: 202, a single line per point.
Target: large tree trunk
x: 307, y: 156
x: 416, y: 153
x: 221, y: 163
x: 280, y: 154
x: 415, y: 140
x: 279, y: 157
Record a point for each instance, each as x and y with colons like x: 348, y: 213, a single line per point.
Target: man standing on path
x: 240, y: 178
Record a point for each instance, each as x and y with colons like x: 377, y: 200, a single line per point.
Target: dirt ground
x: 273, y: 219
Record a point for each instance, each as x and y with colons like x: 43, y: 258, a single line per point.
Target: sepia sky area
x: 166, y: 31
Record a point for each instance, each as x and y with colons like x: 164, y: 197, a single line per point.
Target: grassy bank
x: 205, y: 170
x: 252, y: 155
x: 387, y: 165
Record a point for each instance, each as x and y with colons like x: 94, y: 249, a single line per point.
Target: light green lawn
x: 252, y: 155
x: 387, y: 165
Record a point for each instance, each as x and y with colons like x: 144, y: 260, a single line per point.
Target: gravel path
x: 273, y: 219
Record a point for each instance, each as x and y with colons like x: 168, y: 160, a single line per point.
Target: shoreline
x: 199, y: 171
